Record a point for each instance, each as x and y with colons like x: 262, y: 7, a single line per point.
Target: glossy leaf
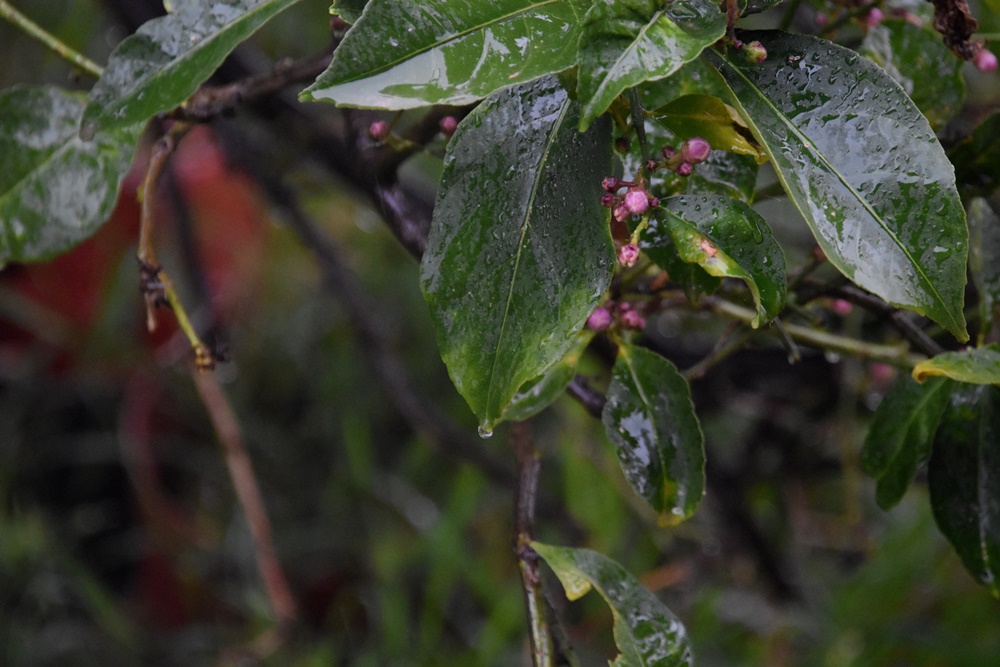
x: 748, y: 7
x: 728, y: 239
x: 713, y: 120
x: 537, y: 394
x: 448, y: 51
x: 55, y: 188
x: 167, y: 58
x: 864, y: 169
x: 626, y: 42
x: 349, y: 10
x: 651, y: 421
x: 977, y: 159
x: 901, y: 435
x: 519, y: 252
x: 658, y: 245
x: 964, y: 479
x: 916, y: 57
x: 984, y: 261
x: 646, y: 632
x: 979, y: 365
x: 697, y: 77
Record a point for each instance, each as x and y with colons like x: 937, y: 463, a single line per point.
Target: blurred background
x: 121, y: 542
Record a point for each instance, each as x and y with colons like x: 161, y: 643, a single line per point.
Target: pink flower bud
x: 447, y: 125
x: 653, y: 201
x: 378, y: 130
x: 611, y: 184
x: 695, y: 150
x: 620, y: 213
x: 608, y: 199
x: 842, y: 307
x: 873, y: 18
x: 636, y: 201
x: 668, y: 152
x: 755, y: 52
x: 684, y: 169
x: 633, y: 320
x: 985, y: 61
x: 628, y: 255
x: 599, y: 320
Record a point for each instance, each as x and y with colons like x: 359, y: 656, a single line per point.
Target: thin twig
x: 48, y: 39
x: 528, y: 468
x: 248, y: 494
x: 155, y: 283
x: 892, y: 354
x: 209, y: 102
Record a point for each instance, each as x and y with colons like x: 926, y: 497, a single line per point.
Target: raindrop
x: 485, y: 432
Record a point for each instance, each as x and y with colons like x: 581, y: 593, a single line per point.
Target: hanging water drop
x: 485, y: 432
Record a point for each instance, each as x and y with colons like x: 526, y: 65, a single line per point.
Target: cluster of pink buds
x: 635, y: 201
x: 627, y: 317
x: 693, y: 151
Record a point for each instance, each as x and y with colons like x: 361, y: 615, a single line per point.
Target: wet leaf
x: 748, y: 7
x: 519, y: 252
x: 728, y: 239
x: 697, y: 77
x: 979, y: 365
x: 446, y: 52
x: 964, y: 479
x: 916, y: 57
x: 901, y: 435
x: 651, y: 421
x: 984, y: 261
x: 646, y: 632
x: 630, y: 41
x: 864, y: 169
x: 349, y: 10
x: 537, y: 394
x: 711, y: 119
x: 55, y: 188
x: 167, y: 58
x: 658, y: 245
x: 977, y: 159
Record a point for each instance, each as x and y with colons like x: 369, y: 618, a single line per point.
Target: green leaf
x: 713, y: 120
x: 646, y: 632
x: 519, y: 252
x: 657, y: 243
x: 984, y: 261
x: 902, y: 434
x: 627, y: 42
x: 979, y: 365
x: 55, y: 188
x: 748, y: 7
x: 537, y: 394
x: 728, y: 239
x: 977, y: 159
x: 916, y: 57
x: 447, y: 52
x: 349, y: 10
x: 651, y: 421
x: 964, y: 480
x: 864, y: 169
x: 167, y: 58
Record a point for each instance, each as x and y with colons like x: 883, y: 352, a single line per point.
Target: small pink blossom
x: 599, y: 320
x: 636, y: 201
x: 378, y: 130
x: 633, y: 320
x: 695, y: 150
x: 628, y: 255
x: 448, y: 125
x: 985, y: 61
x: 684, y: 169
